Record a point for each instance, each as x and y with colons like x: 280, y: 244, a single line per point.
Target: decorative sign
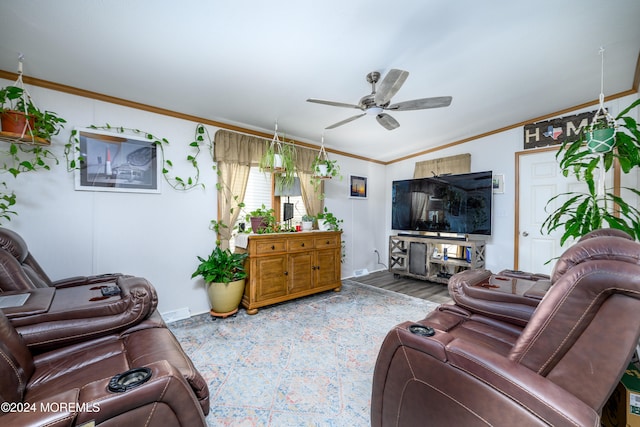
x: 554, y: 132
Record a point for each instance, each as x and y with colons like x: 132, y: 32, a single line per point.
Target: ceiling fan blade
x: 333, y: 104
x: 390, y: 85
x: 387, y: 121
x: 350, y: 119
x: 421, y: 104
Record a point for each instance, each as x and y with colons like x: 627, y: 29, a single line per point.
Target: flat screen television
x: 458, y: 204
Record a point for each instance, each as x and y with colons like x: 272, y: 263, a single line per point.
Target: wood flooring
x: 435, y: 292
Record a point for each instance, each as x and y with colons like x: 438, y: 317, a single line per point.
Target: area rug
x: 306, y: 362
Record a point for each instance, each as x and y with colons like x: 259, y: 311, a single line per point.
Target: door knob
x: 525, y: 234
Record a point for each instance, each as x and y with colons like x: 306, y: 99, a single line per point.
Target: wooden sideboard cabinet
x: 422, y: 257
x: 284, y: 266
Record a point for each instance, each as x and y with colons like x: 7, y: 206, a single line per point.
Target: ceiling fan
x: 379, y: 101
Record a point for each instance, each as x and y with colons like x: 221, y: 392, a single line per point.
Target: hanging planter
x: 600, y: 136
x: 279, y: 158
x: 323, y: 168
x: 21, y: 120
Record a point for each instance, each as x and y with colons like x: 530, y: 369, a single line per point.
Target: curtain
x: 304, y: 162
x: 445, y: 165
x: 235, y: 153
x: 232, y: 180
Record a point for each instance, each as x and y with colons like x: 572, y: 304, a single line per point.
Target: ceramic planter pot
x: 225, y: 298
x: 307, y: 225
x: 16, y: 122
x: 258, y: 223
x: 601, y: 140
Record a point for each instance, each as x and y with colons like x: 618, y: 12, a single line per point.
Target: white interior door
x: 539, y: 180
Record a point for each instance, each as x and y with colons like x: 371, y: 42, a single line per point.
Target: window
x: 259, y: 193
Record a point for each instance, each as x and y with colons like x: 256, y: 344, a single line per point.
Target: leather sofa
x: 514, y: 295
x: 132, y: 378
x: 461, y: 367
x: 66, y: 342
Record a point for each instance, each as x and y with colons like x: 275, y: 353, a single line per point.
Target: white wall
x: 158, y: 236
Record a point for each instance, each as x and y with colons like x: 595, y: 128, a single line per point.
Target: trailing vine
x: 201, y: 137
x: 18, y: 159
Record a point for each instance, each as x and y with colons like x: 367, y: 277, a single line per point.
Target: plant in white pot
x: 327, y: 221
x: 279, y: 158
x: 224, y: 274
x: 307, y: 222
x: 323, y: 168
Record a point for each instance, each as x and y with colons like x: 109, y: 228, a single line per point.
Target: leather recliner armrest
x: 500, y: 297
x: 80, y: 313
x: 165, y: 387
x: 85, y: 280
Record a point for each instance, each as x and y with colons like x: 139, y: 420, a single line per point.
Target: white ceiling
x: 254, y: 62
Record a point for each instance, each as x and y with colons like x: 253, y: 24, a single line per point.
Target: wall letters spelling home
x: 554, y: 132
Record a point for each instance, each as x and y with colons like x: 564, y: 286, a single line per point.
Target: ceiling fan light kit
x: 378, y: 101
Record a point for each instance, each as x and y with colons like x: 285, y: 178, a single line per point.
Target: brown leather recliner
x: 15, y: 245
x: 93, y: 381
x: 459, y: 367
x: 514, y: 295
x: 51, y: 317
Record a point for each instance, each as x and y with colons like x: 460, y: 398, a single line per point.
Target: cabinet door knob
x: 302, y: 245
x: 286, y: 273
x: 313, y: 267
x: 273, y: 247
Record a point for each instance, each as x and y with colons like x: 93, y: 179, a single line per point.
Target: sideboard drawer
x: 332, y: 241
x: 270, y: 246
x: 299, y: 244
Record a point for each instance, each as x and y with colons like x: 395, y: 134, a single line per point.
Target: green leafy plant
x: 267, y: 219
x: 221, y: 266
x: 308, y: 218
x: 323, y: 168
x: 279, y: 158
x: 28, y: 154
x: 45, y: 123
x: 330, y: 219
x: 586, y: 211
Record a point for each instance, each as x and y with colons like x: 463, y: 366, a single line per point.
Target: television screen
x: 449, y: 204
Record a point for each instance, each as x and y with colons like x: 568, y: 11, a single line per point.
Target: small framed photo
x: 358, y: 187
x: 116, y: 162
x: 498, y: 183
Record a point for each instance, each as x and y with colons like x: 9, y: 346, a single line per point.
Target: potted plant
x: 307, y: 222
x: 323, y: 168
x: 20, y: 117
x: 224, y: 274
x: 584, y: 212
x: 261, y: 219
x: 279, y: 157
x: 328, y: 221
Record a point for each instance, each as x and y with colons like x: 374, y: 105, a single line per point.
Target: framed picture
x: 116, y: 162
x: 358, y: 187
x: 498, y: 183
